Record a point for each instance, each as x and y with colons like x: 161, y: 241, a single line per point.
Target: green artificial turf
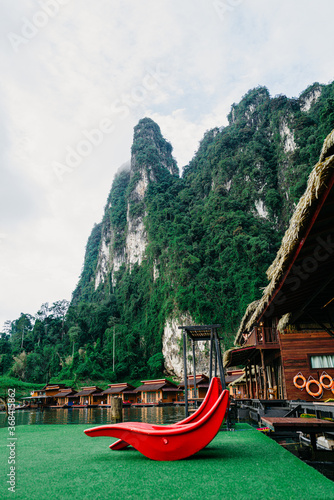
x: 61, y: 462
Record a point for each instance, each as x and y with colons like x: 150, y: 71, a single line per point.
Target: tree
x: 20, y: 365
x: 74, y: 335
x: 59, y: 310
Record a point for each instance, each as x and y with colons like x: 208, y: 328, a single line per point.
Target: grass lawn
x: 61, y: 462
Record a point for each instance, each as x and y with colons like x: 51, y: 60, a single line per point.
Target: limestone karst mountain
x: 193, y: 248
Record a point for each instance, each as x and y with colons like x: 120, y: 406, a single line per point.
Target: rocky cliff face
x: 150, y: 154
x: 172, y: 251
x: 172, y: 349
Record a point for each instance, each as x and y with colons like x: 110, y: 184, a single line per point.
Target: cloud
x: 94, y: 61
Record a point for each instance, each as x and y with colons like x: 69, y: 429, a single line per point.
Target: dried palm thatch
x: 317, y: 183
x: 238, y: 381
x: 227, y: 356
x: 283, y: 322
x: 249, y: 311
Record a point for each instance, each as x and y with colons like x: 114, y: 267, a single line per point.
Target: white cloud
x: 91, y: 57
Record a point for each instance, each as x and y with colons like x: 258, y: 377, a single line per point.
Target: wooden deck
x: 303, y: 424
x: 311, y: 426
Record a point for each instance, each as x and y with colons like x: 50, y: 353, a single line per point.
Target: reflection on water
x: 160, y: 415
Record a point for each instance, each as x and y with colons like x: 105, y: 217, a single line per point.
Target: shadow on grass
x: 132, y: 455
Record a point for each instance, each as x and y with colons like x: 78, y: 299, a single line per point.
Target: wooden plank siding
x: 296, y: 349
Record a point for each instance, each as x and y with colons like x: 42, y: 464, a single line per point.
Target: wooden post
x: 258, y: 372
x: 256, y: 383
x: 194, y: 370
x: 185, y: 372
x: 265, y: 384
x: 263, y: 335
x: 250, y: 382
x: 116, y: 409
x: 246, y: 376
x: 211, y: 353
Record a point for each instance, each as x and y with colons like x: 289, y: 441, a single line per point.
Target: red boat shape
x: 167, y: 443
x: 214, y: 391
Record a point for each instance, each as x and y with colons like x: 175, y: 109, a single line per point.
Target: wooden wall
x: 295, y: 351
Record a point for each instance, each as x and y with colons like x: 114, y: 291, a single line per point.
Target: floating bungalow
x: 154, y: 392
x: 45, y: 396
x: 286, y: 339
x: 125, y: 391
x: 89, y: 396
x: 66, y: 397
x: 236, y: 383
x: 202, y: 385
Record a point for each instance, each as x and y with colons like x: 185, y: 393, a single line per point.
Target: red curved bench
x: 215, y: 389
x: 169, y: 442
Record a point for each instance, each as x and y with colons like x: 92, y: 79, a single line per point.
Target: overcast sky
x: 77, y: 75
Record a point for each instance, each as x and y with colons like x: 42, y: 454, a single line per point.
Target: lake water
x: 160, y: 415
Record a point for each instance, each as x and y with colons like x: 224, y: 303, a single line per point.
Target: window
x: 322, y: 361
x: 150, y: 397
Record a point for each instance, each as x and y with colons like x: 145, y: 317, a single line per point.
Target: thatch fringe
x: 283, y: 322
x: 249, y: 311
x: 241, y: 379
x: 316, y: 185
x: 327, y: 148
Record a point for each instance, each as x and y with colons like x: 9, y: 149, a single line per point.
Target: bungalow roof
x: 229, y: 379
x: 200, y: 382
x: 89, y: 390
x: 150, y: 387
x: 63, y: 394
x: 117, y: 388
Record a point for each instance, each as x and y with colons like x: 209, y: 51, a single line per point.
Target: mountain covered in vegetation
x: 173, y: 249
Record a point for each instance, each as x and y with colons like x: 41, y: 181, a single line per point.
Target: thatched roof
x: 317, y: 184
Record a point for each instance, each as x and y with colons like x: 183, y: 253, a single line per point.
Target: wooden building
x: 236, y: 383
x: 202, y: 385
x: 89, y: 396
x: 286, y: 339
x: 125, y: 391
x: 160, y: 391
x: 45, y: 396
x: 66, y: 397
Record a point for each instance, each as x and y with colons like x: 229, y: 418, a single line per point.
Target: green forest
x: 210, y: 234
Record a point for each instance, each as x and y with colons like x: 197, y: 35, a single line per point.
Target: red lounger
x: 169, y: 442
x: 214, y: 391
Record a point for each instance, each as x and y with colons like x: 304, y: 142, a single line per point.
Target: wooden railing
x: 263, y: 337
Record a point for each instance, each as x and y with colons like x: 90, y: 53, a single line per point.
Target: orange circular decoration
x: 330, y: 381
x: 296, y: 377
x: 311, y: 393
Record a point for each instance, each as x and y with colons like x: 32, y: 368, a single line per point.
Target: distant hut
x: 89, y: 396
x: 45, y: 396
x: 202, y: 385
x: 65, y: 397
x: 124, y: 390
x: 161, y: 391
